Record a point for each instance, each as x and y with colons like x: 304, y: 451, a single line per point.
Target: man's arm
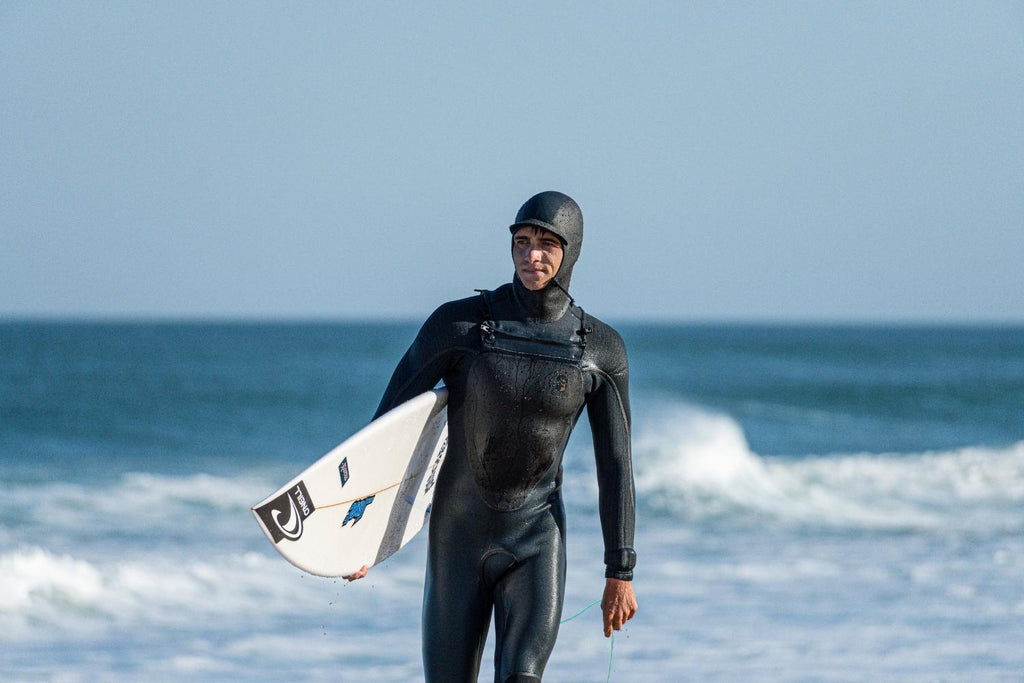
x: 420, y: 369
x: 425, y: 362
x: 608, y: 413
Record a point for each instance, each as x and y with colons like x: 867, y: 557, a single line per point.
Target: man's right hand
x: 357, y: 575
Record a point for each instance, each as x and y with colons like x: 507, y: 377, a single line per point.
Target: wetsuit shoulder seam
x: 618, y: 395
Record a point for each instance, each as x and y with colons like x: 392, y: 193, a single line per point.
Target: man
x: 520, y: 364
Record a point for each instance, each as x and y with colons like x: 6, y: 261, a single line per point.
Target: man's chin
x: 533, y: 284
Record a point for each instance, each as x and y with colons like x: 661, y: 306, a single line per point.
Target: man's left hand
x: 619, y: 604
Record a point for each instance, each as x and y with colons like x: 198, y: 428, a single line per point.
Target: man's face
x: 537, y: 255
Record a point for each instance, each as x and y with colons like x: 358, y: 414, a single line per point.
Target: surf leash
x: 611, y: 649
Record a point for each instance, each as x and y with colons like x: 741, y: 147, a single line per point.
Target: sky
x: 740, y: 161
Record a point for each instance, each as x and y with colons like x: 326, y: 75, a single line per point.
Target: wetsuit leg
x: 528, y: 607
x: 456, y: 617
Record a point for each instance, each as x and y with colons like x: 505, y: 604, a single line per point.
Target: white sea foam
x: 151, y: 505
x: 34, y: 578
x: 45, y: 593
x: 48, y: 590
x: 688, y: 461
x: 215, y: 600
x: 152, y: 550
x: 136, y: 493
x: 696, y: 463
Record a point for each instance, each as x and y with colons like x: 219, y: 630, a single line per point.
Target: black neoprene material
x: 520, y: 366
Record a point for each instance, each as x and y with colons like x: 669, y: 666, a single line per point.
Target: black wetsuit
x: 520, y: 366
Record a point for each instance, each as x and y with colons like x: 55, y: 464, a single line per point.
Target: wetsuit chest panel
x: 533, y: 340
x: 522, y: 410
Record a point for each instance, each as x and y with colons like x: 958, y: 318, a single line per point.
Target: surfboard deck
x: 367, y: 497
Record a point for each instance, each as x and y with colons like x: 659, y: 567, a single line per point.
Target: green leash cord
x: 611, y: 649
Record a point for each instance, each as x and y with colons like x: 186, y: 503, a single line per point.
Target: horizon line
x: 695, y: 321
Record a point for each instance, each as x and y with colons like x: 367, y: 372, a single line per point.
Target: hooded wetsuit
x: 520, y: 366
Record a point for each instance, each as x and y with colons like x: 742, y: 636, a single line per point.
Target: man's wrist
x: 619, y: 564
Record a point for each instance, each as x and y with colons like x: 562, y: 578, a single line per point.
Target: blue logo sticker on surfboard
x: 356, y: 512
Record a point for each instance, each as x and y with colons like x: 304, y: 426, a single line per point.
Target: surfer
x: 520, y: 363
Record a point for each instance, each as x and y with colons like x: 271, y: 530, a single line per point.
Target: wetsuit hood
x: 560, y: 214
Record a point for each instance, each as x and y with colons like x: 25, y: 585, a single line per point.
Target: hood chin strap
x: 547, y: 304
x: 556, y: 283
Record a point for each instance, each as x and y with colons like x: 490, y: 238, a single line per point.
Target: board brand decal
x: 355, y: 513
x: 432, y: 478
x: 343, y: 471
x: 284, y: 515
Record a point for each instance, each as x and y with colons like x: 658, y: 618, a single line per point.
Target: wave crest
x: 44, y: 592
x: 698, y: 464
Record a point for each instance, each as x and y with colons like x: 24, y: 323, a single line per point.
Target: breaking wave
x: 158, y: 552
x: 698, y: 464
x: 46, y: 594
x: 56, y: 590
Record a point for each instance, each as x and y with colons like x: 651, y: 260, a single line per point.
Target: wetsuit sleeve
x: 425, y: 363
x: 608, y: 413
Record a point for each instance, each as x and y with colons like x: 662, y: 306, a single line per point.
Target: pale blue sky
x: 738, y: 161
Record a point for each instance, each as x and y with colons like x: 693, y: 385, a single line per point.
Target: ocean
x: 815, y: 503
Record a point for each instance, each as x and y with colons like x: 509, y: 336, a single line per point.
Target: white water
x: 838, y: 567
x: 698, y: 465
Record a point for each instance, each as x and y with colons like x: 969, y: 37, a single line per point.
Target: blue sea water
x: 841, y: 503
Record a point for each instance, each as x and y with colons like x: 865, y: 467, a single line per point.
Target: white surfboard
x: 367, y: 497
